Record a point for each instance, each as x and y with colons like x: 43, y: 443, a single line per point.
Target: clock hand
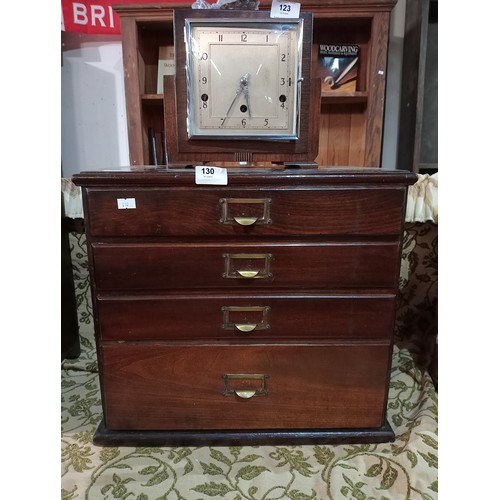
x: 243, y: 85
x: 238, y: 92
x: 244, y: 79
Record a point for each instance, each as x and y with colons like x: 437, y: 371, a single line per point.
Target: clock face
x: 243, y: 79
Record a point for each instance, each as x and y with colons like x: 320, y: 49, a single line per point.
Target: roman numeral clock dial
x: 243, y: 78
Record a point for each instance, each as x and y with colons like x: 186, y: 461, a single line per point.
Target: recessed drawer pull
x: 247, y: 274
x: 245, y: 394
x: 245, y: 211
x: 247, y: 266
x: 245, y: 319
x: 245, y: 221
x: 245, y: 327
x: 245, y: 385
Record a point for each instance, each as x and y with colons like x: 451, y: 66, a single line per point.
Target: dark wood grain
x: 182, y: 175
x: 321, y: 211
x: 293, y: 264
x: 161, y: 386
x: 289, y: 316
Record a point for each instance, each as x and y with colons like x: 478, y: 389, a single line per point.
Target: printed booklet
x: 338, y: 67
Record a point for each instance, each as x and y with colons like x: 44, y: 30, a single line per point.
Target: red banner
x: 96, y: 16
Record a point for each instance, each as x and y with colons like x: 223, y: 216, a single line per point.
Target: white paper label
x: 285, y: 9
x: 211, y: 175
x: 124, y: 203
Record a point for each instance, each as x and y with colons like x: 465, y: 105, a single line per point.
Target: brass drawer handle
x: 247, y: 265
x: 247, y: 274
x: 245, y: 327
x: 242, y: 211
x: 246, y: 318
x: 245, y: 221
x: 245, y: 394
x: 245, y: 385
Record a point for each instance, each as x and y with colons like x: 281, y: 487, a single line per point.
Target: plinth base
x: 105, y: 437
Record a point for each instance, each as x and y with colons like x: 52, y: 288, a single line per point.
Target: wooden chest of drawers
x: 257, y: 312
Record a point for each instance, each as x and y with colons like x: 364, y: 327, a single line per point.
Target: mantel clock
x: 244, y: 78
x: 242, y: 88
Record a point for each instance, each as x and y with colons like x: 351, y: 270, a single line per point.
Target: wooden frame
x: 182, y: 149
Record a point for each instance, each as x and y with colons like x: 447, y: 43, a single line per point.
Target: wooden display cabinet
x: 351, y: 123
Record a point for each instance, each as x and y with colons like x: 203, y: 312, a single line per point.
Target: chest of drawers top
x: 182, y: 177
x: 323, y: 201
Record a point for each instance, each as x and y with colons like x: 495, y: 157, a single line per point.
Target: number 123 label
x: 285, y: 9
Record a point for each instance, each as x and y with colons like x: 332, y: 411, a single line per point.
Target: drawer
x: 246, y: 318
x: 229, y: 265
x: 223, y: 211
x: 161, y: 387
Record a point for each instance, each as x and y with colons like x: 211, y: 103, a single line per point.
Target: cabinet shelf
x: 152, y: 99
x: 344, y: 97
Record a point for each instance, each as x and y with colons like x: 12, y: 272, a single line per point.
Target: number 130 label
x: 211, y: 175
x: 285, y: 9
